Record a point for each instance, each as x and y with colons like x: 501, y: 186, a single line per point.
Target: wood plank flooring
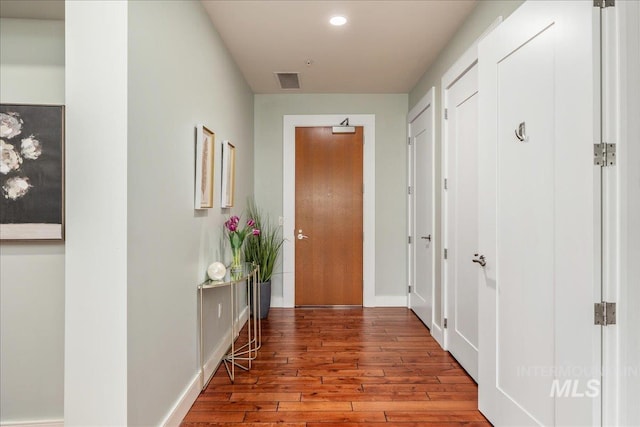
x: 326, y: 367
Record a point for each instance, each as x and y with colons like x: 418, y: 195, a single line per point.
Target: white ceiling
x: 384, y: 48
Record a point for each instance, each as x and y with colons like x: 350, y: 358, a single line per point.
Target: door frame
x: 427, y: 101
x: 620, y: 63
x: 463, y: 64
x: 290, y: 122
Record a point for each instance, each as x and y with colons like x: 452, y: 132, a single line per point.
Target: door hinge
x: 409, y: 190
x: 409, y: 288
x: 446, y: 253
x: 409, y: 239
x: 446, y: 114
x: 409, y: 141
x: 445, y: 323
x: 604, y: 154
x: 604, y: 3
x: 604, y: 313
x: 445, y: 184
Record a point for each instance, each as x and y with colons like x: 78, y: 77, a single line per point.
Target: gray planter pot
x: 265, y: 299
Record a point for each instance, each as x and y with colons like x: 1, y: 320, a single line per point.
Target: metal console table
x: 246, y: 353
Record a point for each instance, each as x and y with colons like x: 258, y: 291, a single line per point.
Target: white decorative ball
x: 216, y: 271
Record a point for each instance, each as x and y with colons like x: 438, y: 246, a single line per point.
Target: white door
x: 422, y: 145
x: 539, y: 217
x: 460, y: 199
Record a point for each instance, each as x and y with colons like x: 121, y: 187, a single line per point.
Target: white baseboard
x: 391, y: 301
x: 191, y: 393
x: 182, y: 406
x: 43, y: 423
x: 380, y: 301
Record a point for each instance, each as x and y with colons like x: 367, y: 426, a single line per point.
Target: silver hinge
x: 445, y: 323
x: 604, y: 154
x: 446, y: 114
x: 409, y: 288
x: 409, y: 141
x: 409, y: 239
x: 445, y: 184
x: 409, y: 190
x: 604, y: 3
x: 445, y: 253
x: 604, y: 313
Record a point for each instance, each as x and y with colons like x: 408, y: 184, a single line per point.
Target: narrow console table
x: 248, y: 276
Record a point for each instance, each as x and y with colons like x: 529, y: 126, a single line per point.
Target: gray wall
x: 483, y: 15
x: 391, y: 179
x: 31, y: 274
x: 180, y: 74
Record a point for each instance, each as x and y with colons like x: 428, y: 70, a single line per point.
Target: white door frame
x: 620, y: 109
x: 427, y: 101
x: 290, y: 123
x: 457, y: 70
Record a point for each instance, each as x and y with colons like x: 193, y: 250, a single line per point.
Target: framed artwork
x: 205, y: 143
x: 31, y: 172
x: 228, y: 174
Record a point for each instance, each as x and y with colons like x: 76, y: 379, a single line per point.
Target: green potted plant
x: 263, y: 250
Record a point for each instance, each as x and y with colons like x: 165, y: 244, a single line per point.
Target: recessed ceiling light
x: 338, y: 20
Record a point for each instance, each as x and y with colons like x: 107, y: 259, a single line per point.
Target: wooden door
x: 460, y: 197
x: 329, y: 196
x: 539, y: 360
x: 421, y: 295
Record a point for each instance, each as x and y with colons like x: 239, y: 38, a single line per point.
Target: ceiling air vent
x: 288, y: 80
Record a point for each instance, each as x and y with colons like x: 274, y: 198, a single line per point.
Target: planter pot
x: 265, y: 299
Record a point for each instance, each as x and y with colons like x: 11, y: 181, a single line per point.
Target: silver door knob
x: 426, y: 237
x: 301, y: 236
x: 480, y: 259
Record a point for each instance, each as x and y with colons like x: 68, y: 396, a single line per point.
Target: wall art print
x: 227, y: 194
x: 31, y: 172
x: 205, y: 145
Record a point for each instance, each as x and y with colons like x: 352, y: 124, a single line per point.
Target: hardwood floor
x: 326, y: 367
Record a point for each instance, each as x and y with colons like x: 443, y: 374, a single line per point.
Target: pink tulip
x: 255, y: 232
x: 250, y: 222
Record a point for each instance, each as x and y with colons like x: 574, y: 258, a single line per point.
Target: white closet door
x: 462, y: 277
x: 539, y: 217
x: 422, y: 142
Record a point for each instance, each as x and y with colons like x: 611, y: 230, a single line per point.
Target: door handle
x: 480, y: 260
x: 301, y: 236
x: 426, y: 237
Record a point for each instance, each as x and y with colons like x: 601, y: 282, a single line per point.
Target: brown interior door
x: 328, y: 217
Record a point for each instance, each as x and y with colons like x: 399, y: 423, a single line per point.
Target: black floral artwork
x: 31, y: 166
